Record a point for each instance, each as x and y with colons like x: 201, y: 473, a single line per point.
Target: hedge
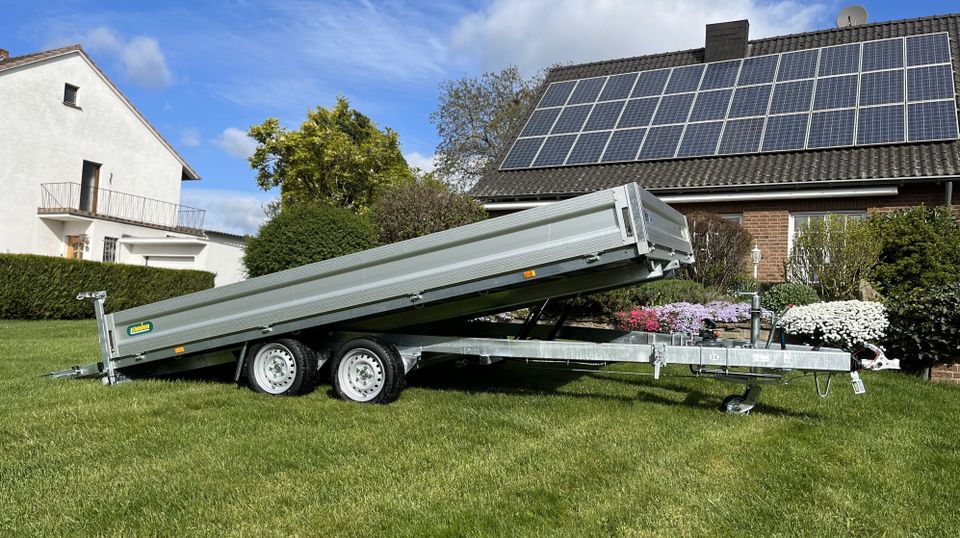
x: 925, y: 327
x: 44, y: 287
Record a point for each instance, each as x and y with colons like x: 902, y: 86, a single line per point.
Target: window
x: 110, y: 249
x: 799, y: 219
x: 70, y: 94
x: 735, y: 217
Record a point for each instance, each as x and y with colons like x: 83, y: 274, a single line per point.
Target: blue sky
x: 204, y: 71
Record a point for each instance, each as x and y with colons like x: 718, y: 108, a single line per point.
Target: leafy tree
x: 475, y: 119
x: 422, y: 207
x: 337, y: 157
x: 920, y: 247
x: 305, y: 233
x: 832, y: 256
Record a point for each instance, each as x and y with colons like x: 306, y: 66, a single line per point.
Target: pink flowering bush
x: 682, y: 317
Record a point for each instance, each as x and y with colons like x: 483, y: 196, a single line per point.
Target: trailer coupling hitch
x: 868, y: 357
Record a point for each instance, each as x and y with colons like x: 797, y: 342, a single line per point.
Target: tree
x: 337, y: 157
x: 422, y: 207
x: 832, y: 256
x: 475, y: 118
x: 306, y: 233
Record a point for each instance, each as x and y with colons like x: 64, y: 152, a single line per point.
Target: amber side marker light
x: 529, y: 274
x: 178, y: 349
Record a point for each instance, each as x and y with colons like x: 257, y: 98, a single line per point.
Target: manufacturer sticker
x: 143, y: 327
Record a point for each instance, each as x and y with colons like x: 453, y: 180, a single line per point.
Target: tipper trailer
x: 378, y: 314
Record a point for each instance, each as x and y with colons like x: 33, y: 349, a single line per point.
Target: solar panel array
x: 874, y: 92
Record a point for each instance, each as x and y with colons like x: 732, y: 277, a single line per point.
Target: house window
x: 799, y: 219
x: 70, y: 94
x: 110, y: 249
x: 735, y: 217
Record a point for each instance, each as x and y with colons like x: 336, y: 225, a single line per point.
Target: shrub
x: 422, y: 207
x: 303, y: 234
x: 681, y: 317
x: 778, y: 297
x: 657, y: 292
x: 720, y: 247
x: 925, y: 327
x: 832, y: 256
x: 44, y: 287
x: 839, y: 323
x: 744, y: 283
x: 919, y: 247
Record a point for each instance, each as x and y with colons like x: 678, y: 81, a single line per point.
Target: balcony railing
x: 77, y: 199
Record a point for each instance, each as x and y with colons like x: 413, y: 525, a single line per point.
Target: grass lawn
x: 467, y: 452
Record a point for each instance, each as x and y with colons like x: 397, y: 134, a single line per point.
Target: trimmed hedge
x: 45, y: 287
x: 925, y: 327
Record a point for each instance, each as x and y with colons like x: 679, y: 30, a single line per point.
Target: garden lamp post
x: 755, y: 257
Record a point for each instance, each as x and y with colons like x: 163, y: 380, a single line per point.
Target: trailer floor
x: 502, y: 450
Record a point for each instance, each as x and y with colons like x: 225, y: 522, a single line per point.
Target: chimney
x: 4, y: 55
x: 726, y: 41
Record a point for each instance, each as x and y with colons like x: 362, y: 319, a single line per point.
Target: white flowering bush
x: 839, y: 323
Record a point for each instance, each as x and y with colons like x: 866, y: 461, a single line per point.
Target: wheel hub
x: 274, y: 368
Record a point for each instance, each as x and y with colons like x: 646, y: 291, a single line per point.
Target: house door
x: 75, y: 247
x: 89, y: 185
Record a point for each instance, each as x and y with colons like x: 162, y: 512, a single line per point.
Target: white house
x: 83, y: 174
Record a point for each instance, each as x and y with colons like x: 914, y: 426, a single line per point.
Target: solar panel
x: 540, y: 122
x: 750, y: 101
x: 720, y: 75
x: 650, y: 83
x: 684, y: 79
x: 700, y: 139
x: 785, y: 132
x: 711, y: 105
x: 885, y: 54
x: 797, y: 65
x: 836, y: 92
x: 618, y: 87
x: 928, y: 49
x: 588, y: 148
x: 936, y: 120
x: 554, y: 150
x: 839, y: 60
x: 604, y: 115
x: 571, y: 119
x: 557, y: 94
x: 874, y: 92
x: 623, y: 145
x: 880, y: 125
x: 661, y: 142
x: 741, y: 136
x: 881, y: 87
x: 791, y: 97
x: 638, y: 112
x: 758, y: 70
x: 673, y: 109
x: 522, y: 153
x: 831, y: 129
x: 929, y: 83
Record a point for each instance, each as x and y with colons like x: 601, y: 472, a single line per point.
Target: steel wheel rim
x: 274, y: 368
x: 361, y: 375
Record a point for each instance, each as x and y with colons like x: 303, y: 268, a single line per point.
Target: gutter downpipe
x: 948, y: 194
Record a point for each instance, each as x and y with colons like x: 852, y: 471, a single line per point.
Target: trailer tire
x: 366, y: 370
x: 282, y: 367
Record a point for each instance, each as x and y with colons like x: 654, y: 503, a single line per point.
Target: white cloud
x: 190, y: 137
x: 534, y: 34
x: 143, y: 62
x: 236, y: 142
x: 230, y: 211
x: 423, y: 162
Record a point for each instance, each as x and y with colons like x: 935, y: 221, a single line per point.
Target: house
x: 83, y: 174
x: 770, y: 132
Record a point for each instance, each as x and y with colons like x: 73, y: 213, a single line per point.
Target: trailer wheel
x: 367, y: 371
x: 731, y: 405
x: 282, y: 367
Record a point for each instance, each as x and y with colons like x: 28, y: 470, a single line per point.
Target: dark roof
x: 896, y: 162
x: 34, y: 57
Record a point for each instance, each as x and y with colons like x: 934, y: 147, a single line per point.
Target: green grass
x: 467, y: 452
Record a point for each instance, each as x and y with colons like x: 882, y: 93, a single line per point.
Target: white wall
x: 42, y: 140
x: 223, y: 256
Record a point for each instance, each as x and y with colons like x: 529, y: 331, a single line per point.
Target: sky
x: 203, y: 71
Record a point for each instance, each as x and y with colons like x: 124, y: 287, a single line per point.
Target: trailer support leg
x: 741, y: 405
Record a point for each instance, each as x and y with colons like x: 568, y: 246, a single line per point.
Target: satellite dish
x: 852, y: 16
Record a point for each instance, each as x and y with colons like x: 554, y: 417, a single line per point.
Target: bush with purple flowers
x: 682, y: 317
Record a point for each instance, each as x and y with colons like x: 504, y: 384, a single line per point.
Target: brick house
x: 770, y: 132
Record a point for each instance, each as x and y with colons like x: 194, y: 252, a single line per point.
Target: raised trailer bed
x: 376, y: 315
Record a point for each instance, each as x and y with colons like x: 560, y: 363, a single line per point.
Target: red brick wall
x: 949, y: 373
x: 768, y: 221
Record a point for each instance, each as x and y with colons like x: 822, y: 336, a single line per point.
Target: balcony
x: 84, y: 201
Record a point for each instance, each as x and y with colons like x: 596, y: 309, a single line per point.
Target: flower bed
x: 841, y: 323
x: 682, y: 317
